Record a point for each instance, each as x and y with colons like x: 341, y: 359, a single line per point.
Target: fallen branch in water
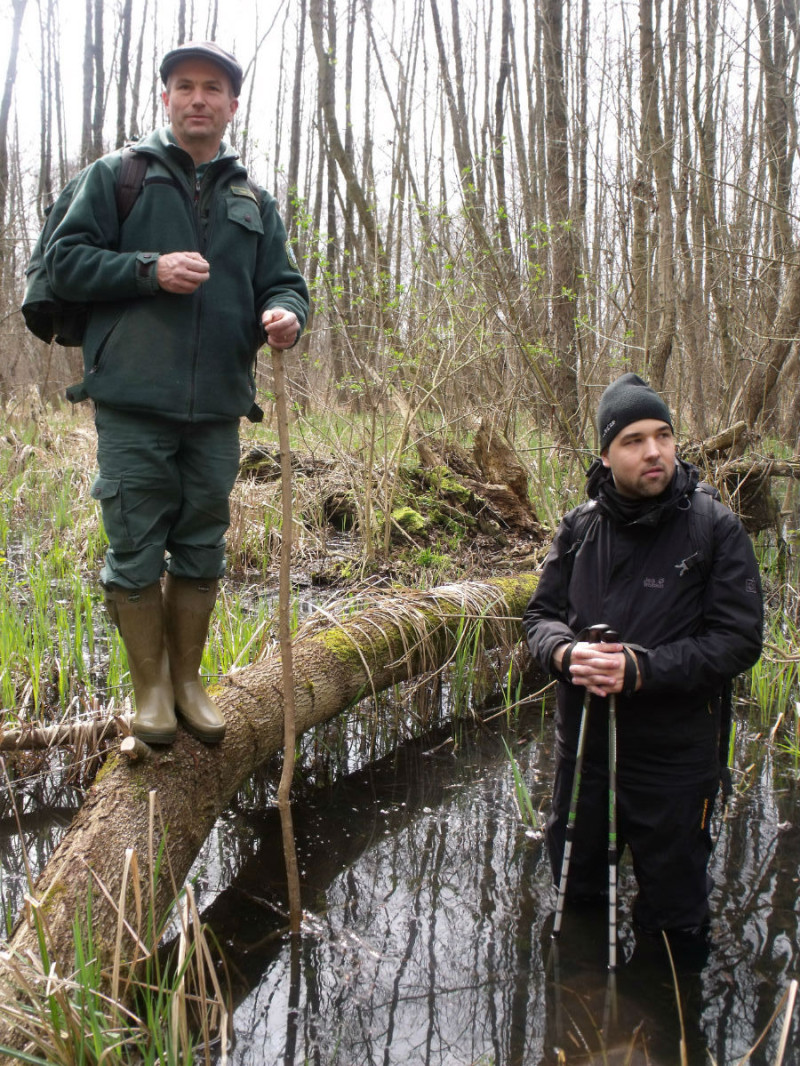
x: 65, y: 734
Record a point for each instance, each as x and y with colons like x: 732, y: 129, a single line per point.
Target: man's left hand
x: 281, y: 327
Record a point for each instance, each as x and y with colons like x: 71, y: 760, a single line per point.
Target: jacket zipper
x: 203, y: 243
x: 199, y: 314
x: 193, y: 200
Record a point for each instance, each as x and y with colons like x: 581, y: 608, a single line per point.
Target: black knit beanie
x: 626, y: 400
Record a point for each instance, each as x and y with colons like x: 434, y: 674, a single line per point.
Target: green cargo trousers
x: 163, y: 488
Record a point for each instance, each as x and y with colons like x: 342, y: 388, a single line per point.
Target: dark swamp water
x: 429, y: 907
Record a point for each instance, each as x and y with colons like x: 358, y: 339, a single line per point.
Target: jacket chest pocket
x: 243, y: 210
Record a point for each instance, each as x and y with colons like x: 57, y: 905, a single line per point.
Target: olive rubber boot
x: 188, y: 603
x: 139, y: 616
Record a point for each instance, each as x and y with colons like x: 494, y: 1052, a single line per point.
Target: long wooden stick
x: 285, y: 640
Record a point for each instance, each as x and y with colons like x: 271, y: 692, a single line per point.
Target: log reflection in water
x: 430, y: 936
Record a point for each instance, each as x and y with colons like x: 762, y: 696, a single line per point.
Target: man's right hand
x: 598, y: 666
x: 182, y: 272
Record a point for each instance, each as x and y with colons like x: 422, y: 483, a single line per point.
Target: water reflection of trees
x: 756, y: 870
x: 426, y: 938
x: 430, y: 897
x: 37, y: 799
x: 428, y: 943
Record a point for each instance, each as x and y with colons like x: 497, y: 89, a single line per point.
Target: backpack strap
x: 583, y: 529
x: 130, y: 180
x: 700, y: 529
x: 701, y: 533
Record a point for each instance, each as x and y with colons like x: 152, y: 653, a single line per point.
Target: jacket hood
x: 649, y: 512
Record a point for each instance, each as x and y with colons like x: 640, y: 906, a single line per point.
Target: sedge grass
x: 527, y: 811
x: 141, y: 1009
x: 57, y: 645
x: 775, y: 678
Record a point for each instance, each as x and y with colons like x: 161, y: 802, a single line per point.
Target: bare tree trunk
x: 657, y: 151
x: 775, y: 61
x: 779, y: 67
x: 498, y: 154
x: 561, y: 236
x: 305, y: 243
x: 213, y: 15
x: 773, y: 355
x: 136, y: 82
x: 457, y: 109
x: 156, y: 98
x: 98, y: 54
x: 60, y: 117
x: 5, y: 108
x: 351, y: 244
x: 524, y: 152
x: 88, y: 85
x: 181, y: 23
x: 124, y: 71
x: 44, y: 192
x: 345, y: 164
x: 397, y: 101
x: 333, y: 667
x: 295, y: 126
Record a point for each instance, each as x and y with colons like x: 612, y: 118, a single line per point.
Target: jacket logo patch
x: 654, y: 583
x: 244, y: 190
x: 685, y: 565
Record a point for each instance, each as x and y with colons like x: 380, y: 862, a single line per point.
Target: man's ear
x: 604, y: 457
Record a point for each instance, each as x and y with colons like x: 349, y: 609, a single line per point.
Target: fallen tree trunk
x: 760, y: 468
x: 731, y: 441
x: 334, y: 666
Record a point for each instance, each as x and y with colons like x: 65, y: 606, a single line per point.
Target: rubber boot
x: 139, y: 616
x: 188, y: 603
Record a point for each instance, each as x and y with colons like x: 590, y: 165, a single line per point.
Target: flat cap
x: 204, y: 50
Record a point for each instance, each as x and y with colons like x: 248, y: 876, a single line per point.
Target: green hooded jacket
x: 189, y: 357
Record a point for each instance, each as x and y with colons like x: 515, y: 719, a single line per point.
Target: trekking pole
x: 593, y: 634
x: 611, y: 637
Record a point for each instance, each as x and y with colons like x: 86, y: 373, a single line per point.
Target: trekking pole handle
x: 596, y: 634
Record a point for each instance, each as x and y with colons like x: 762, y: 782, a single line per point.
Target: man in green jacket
x: 183, y: 293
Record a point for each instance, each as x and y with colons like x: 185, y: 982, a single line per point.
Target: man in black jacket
x: 672, y: 571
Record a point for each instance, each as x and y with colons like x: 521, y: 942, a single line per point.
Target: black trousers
x: 666, y: 830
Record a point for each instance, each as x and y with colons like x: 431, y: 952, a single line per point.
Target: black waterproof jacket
x: 678, y: 580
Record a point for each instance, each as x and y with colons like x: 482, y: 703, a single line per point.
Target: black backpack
x: 46, y: 315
